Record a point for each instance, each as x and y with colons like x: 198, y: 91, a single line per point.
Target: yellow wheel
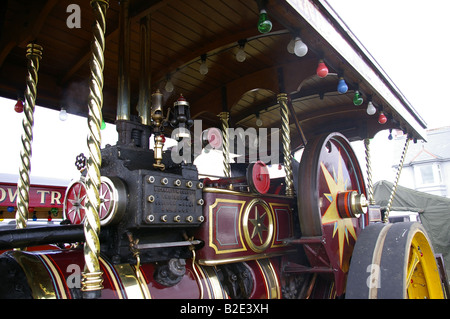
x: 394, y: 261
x: 408, y: 266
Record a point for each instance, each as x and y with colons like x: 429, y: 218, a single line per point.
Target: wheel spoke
x: 414, y: 260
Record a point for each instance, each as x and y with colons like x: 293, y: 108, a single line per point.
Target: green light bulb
x: 264, y: 24
x: 54, y: 211
x: 357, y: 99
x: 103, y: 125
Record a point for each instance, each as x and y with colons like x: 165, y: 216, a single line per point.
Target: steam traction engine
x: 165, y: 233
x: 141, y: 223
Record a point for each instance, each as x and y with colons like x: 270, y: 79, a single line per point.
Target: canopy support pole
x: 34, y: 55
x: 224, y: 118
x: 92, y: 280
x: 286, y: 140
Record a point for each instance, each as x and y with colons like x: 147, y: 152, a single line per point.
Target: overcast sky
x: 55, y: 143
x: 409, y: 39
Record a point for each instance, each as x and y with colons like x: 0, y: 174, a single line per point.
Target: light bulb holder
x: 242, y: 43
x: 240, y: 55
x: 203, y: 67
x: 258, y: 121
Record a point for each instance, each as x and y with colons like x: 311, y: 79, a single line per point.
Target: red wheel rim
x: 75, y: 201
x: 106, y: 198
x: 258, y: 177
x: 328, y: 168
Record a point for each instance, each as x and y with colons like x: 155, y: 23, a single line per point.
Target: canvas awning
x: 434, y: 213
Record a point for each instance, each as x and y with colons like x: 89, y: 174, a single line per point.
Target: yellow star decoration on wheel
x: 342, y: 226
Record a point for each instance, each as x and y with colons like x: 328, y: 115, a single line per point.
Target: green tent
x: 434, y: 212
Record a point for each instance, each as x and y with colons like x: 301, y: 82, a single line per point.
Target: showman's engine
x: 166, y: 233
x: 143, y: 192
x: 157, y: 212
x: 144, y: 222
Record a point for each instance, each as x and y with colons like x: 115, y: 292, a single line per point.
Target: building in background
x: 427, y: 164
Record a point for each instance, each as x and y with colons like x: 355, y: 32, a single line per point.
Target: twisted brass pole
x: 92, y: 275
x: 397, y: 178
x: 224, y: 117
x: 286, y: 140
x: 34, y: 55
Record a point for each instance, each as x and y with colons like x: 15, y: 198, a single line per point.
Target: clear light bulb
x: 371, y: 110
x: 240, y: 55
x: 63, y: 115
x: 169, y: 86
x: 259, y: 122
x: 203, y: 68
x: 300, y: 48
x: 290, y: 46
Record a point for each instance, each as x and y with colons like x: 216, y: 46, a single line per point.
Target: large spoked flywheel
x: 331, y: 197
x: 394, y: 261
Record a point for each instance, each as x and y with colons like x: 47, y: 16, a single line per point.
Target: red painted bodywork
x: 224, y: 233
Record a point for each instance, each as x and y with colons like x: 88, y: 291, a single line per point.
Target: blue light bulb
x: 342, y: 86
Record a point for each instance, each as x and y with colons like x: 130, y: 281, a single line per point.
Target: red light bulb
x: 19, y: 106
x: 322, y: 70
x: 382, y: 119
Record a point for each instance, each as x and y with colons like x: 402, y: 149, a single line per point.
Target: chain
x: 397, y: 177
